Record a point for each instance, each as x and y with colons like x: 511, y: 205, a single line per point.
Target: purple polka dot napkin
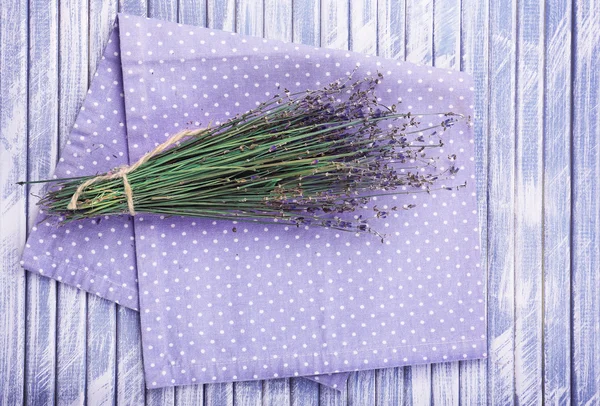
x: 266, y: 301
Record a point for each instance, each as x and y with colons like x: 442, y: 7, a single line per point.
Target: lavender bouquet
x: 303, y: 158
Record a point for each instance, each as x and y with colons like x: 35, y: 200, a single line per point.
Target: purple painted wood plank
x: 217, y: 394
x: 446, y: 54
x: 101, y: 314
x: 528, y: 203
x: 390, y: 44
x: 419, y: 31
x: 304, y: 392
x: 391, y: 29
x: 419, y: 49
x: 389, y: 386
x: 501, y: 209
x: 131, y: 386
x: 164, y: 10
x: 307, y: 22
x: 221, y: 14
x: 334, y: 24
x: 276, y: 392
x: 586, y: 205
x: 363, y: 26
x: 13, y: 201
x: 248, y: 393
x: 474, y: 57
x: 40, y: 366
x: 191, y: 12
x: 331, y: 397
x: 361, y: 388
x: 557, y: 203
x: 71, y: 313
x: 135, y: 7
x: 131, y: 389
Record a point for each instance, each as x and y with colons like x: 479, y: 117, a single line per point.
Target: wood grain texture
x: 419, y: 49
x: 361, y: 388
x: 391, y: 29
x: 537, y: 103
x: 585, y: 221
x: 474, y: 59
x: 40, y: 365
x: 446, y: 54
x: 101, y: 352
x: 419, y: 31
x: 131, y: 387
x: 13, y: 201
x: 528, y: 202
x: 71, y: 303
x: 501, y: 209
x: 557, y: 203
x: 363, y: 26
x: 389, y: 388
x: 334, y: 24
x: 303, y: 392
x: 220, y: 14
x: 306, y: 16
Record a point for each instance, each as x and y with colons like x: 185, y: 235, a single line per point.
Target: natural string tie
x: 123, y: 171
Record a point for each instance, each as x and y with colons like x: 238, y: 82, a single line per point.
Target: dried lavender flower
x: 303, y: 159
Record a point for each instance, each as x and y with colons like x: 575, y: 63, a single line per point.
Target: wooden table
x: 537, y: 71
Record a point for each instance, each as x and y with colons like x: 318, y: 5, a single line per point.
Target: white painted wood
x: 131, y: 387
x: 306, y: 17
x: 101, y: 314
x: 528, y: 202
x: 278, y: 19
x: 13, y: 202
x: 75, y: 348
x: 276, y: 392
x: 134, y: 7
x: 361, y: 388
x: 40, y: 365
x: 445, y: 383
x: 216, y: 394
x: 164, y: 10
x: 248, y: 393
x: 586, y: 205
x: 194, y: 13
x: 249, y: 18
x: 475, y: 50
x: 419, y: 49
x: 304, y: 392
x: 501, y: 209
x: 334, y: 24
x: 363, y: 26
x: 71, y: 311
x: 391, y: 29
x: 221, y: 14
x: 557, y: 203
x: 389, y: 386
x: 419, y: 31
x: 446, y: 54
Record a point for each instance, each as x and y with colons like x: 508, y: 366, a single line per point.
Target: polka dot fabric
x: 276, y: 301
x: 265, y: 301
